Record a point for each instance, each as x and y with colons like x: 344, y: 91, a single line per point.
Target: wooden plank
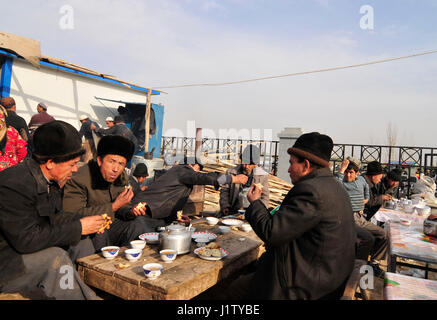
x: 353, y: 281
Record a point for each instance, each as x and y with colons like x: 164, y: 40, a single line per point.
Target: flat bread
x: 107, y: 222
x: 258, y: 185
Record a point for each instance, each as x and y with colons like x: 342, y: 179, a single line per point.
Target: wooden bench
x: 352, y: 284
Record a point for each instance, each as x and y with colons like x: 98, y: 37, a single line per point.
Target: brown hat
x: 314, y: 147
x: 7, y: 102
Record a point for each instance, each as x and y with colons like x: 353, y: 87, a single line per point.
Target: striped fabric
x: 358, y: 191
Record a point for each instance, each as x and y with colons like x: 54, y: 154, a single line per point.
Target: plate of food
x: 211, y: 236
x: 151, y: 237
x: 232, y: 222
x: 211, y: 252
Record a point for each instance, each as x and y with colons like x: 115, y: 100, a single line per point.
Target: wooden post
x: 148, y: 108
x: 198, y: 145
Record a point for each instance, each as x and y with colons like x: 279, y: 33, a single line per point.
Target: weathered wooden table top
x: 183, y: 279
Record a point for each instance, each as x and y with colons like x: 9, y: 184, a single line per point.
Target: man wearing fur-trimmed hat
x: 310, y: 239
x: 39, y: 241
x: 99, y: 187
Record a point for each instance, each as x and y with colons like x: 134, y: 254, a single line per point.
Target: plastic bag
x: 425, y: 187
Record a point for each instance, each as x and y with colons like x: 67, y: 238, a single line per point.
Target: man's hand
x: 143, y: 188
x: 184, y: 219
x: 386, y: 197
x: 240, y: 179
x: 93, y: 126
x: 225, y: 211
x: 344, y: 165
x: 123, y: 199
x: 93, y: 224
x: 254, y: 194
x: 139, y: 209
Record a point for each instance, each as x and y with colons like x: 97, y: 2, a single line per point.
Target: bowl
x: 405, y: 222
x: 138, y: 244
x: 212, y: 221
x: 152, y: 270
x: 133, y: 254
x: 224, y: 229
x: 423, y: 210
x: 201, y: 241
x: 168, y: 255
x: 246, y: 227
x: 110, y: 252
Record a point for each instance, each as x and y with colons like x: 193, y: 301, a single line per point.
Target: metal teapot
x: 176, y: 237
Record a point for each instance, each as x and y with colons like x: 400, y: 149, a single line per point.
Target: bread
x: 212, y: 245
x: 259, y: 186
x: 141, y: 205
x: 216, y: 253
x: 107, y: 222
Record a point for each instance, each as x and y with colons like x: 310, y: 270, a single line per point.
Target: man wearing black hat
x: 13, y: 119
x: 170, y: 192
x: 138, y: 177
x: 234, y: 196
x: 99, y: 187
x: 35, y: 232
x: 373, y: 177
x: 310, y: 239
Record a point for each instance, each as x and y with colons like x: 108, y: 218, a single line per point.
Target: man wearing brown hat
x: 13, y: 119
x: 310, y: 239
x: 35, y: 232
x: 99, y: 187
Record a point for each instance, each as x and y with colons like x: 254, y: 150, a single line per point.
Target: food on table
x: 212, y: 245
x: 122, y: 265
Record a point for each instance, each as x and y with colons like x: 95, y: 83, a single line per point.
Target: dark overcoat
x: 310, y: 241
x: 31, y: 217
x: 170, y: 192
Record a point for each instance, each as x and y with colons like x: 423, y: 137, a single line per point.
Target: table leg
x: 391, y: 263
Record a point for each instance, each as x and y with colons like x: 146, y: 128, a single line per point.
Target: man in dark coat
x: 13, y: 119
x: 390, y: 183
x: 35, y: 233
x: 170, y: 192
x: 41, y: 117
x: 99, y: 187
x: 86, y: 131
x: 310, y: 239
x: 138, y: 177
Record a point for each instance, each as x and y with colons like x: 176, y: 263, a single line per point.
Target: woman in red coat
x: 12, y: 145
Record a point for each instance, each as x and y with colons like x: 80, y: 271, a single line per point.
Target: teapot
x: 176, y: 237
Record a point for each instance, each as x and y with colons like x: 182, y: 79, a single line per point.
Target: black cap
x: 140, y: 170
x: 314, y: 147
x: 117, y: 145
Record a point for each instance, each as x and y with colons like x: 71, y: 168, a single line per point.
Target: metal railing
x: 221, y: 149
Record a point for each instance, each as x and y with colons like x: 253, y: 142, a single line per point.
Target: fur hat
x: 250, y: 155
x: 140, y: 170
x: 57, y: 140
x: 314, y: 147
x: 118, y: 145
x: 7, y: 102
x: 394, y: 175
x: 374, y: 168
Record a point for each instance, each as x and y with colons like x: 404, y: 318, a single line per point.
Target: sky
x: 161, y: 44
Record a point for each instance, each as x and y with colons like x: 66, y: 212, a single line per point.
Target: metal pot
x: 176, y: 237
x: 430, y: 227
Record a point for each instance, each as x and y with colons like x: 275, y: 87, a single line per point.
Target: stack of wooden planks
x: 278, y: 187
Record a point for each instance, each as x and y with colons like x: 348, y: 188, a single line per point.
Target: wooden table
x: 184, y: 278
x: 401, y: 287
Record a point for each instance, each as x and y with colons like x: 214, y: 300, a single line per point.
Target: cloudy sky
x: 162, y: 43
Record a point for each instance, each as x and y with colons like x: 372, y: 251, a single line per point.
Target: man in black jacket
x: 170, y: 192
x: 13, y: 119
x: 35, y: 232
x: 310, y: 239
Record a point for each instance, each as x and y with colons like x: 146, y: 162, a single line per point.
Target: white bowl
x: 152, y: 270
x: 201, y: 241
x: 212, y: 221
x: 224, y: 229
x: 110, y: 252
x: 133, y: 254
x: 423, y: 210
x: 246, y: 227
x: 138, y: 244
x: 168, y: 255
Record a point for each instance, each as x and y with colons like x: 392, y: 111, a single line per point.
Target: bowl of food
x: 423, y: 210
x: 110, y: 252
x: 152, y: 270
x: 133, y: 254
x: 212, y: 221
x: 168, y: 255
x: 138, y: 244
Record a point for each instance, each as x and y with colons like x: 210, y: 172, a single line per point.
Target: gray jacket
x: 229, y: 192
